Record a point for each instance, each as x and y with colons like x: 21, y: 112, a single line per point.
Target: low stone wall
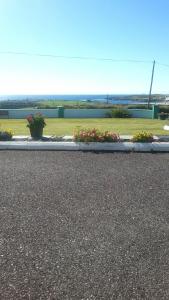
x: 23, y: 113
x: 101, y: 113
x: 60, y: 112
x: 85, y: 113
x: 141, y: 113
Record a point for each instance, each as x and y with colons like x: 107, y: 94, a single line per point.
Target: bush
x: 95, y: 135
x: 6, y: 135
x: 143, y: 137
x: 164, y: 108
x: 138, y: 106
x: 120, y: 113
x: 108, y: 114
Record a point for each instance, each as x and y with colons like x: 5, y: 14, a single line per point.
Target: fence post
x: 60, y: 112
x: 155, y: 111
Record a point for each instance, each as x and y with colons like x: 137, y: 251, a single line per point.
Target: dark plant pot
x: 163, y: 117
x: 36, y: 133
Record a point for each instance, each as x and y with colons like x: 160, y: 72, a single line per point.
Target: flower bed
x: 72, y: 143
x: 95, y: 135
x: 36, y: 123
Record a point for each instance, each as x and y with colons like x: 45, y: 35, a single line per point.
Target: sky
x: 121, y: 30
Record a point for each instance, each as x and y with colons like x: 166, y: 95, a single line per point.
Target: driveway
x: 77, y: 225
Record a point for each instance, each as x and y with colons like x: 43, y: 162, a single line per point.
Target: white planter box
x: 124, y: 146
x: 38, y: 145
x: 142, y: 147
x: 160, y: 147
x: 72, y: 146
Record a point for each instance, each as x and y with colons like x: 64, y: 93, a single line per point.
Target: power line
x: 162, y: 64
x: 75, y: 57
x: 82, y: 57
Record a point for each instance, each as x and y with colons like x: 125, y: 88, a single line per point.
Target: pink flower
x: 30, y: 119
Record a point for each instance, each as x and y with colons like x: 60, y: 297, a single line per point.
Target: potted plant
x: 36, y: 123
x: 163, y: 116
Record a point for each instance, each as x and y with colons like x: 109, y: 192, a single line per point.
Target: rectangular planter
x: 25, y: 145
x: 72, y: 146
x: 160, y: 147
x: 142, y: 147
x: 121, y: 146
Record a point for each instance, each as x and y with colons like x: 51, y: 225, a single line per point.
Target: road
x: 77, y: 225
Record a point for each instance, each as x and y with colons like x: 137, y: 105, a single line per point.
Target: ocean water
x: 93, y: 98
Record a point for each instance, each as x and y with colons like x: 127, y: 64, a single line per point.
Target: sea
x: 85, y: 98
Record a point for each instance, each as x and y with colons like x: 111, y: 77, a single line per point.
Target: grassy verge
x: 66, y: 126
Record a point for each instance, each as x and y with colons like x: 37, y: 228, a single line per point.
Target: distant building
x: 167, y: 99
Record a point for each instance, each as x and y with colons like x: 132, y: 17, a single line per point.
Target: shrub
x: 138, y: 106
x: 6, y: 135
x: 108, y: 114
x: 164, y: 108
x: 95, y: 135
x: 143, y: 137
x: 120, y: 113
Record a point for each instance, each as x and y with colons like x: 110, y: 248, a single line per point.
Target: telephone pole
x: 151, y: 84
x: 107, y: 99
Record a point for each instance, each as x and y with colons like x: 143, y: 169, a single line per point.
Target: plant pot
x: 163, y: 117
x: 36, y: 133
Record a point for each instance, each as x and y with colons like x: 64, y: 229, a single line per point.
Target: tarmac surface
x: 77, y: 225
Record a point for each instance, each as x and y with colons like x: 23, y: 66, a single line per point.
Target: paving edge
x: 72, y: 146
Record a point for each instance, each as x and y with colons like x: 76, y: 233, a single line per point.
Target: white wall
x: 23, y: 113
x: 85, y: 113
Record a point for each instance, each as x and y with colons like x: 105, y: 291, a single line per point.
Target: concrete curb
x: 72, y: 146
x: 38, y: 145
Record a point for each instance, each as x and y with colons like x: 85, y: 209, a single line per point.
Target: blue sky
x: 118, y: 29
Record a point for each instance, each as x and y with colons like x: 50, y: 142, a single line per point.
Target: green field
x: 67, y: 126
x: 74, y: 104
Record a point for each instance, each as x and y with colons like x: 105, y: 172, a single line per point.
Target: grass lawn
x: 66, y: 126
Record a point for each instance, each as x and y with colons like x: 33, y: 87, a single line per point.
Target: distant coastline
x: 112, y: 99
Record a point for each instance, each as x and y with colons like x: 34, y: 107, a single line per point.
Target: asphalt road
x: 79, y: 225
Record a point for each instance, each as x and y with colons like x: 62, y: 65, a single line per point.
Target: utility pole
x: 151, y: 84
x: 107, y: 99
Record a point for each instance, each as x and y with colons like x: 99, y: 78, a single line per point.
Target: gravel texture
x: 77, y: 225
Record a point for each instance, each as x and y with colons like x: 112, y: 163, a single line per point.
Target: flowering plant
x: 143, y: 137
x: 35, y: 121
x: 94, y: 135
x: 6, y: 135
